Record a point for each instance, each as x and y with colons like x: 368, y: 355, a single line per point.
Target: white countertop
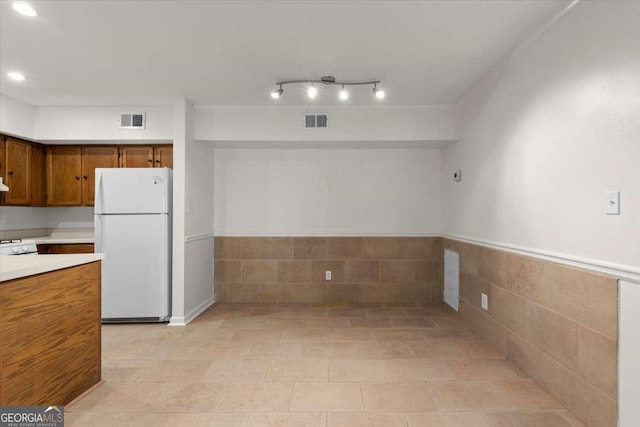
x: 15, y: 267
x: 55, y: 240
x: 66, y: 236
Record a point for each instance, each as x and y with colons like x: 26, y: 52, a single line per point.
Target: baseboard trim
x: 197, y: 237
x: 622, y: 272
x: 185, y: 320
x: 321, y: 234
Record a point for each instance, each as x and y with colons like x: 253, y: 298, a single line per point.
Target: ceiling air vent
x: 314, y: 120
x: 132, y: 121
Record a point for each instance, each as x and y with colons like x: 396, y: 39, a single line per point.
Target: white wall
x: 192, y: 266
x: 77, y: 217
x: 199, y: 227
x: 629, y: 355
x: 27, y: 218
x: 22, y: 218
x: 101, y: 124
x: 199, y: 188
x: 327, y: 191
x: 432, y: 123
x: 547, y: 134
x: 16, y: 117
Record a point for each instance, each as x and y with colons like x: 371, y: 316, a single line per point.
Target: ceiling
x: 231, y: 53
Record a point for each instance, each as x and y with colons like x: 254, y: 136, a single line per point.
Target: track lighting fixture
x: 312, y: 89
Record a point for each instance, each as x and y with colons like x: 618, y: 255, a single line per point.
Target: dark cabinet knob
x: 157, y: 161
x: 10, y: 173
x: 149, y: 160
x: 85, y: 177
x: 78, y: 178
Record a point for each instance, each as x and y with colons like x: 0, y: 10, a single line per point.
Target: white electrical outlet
x: 612, y: 203
x: 485, y: 301
x: 327, y: 275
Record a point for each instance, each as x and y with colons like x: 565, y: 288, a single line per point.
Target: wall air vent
x: 132, y: 121
x: 316, y: 120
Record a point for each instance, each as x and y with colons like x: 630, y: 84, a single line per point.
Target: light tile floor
x: 241, y: 365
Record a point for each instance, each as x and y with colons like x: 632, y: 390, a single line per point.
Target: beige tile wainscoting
x: 556, y: 323
x: 363, y: 269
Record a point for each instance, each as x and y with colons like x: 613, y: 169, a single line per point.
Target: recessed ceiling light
x: 24, y: 9
x: 14, y: 75
x: 312, y: 92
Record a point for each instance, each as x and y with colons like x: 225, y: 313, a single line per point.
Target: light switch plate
x: 327, y: 275
x: 457, y: 175
x: 612, y: 203
x: 485, y: 301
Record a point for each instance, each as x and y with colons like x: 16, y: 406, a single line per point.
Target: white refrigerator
x: 133, y: 230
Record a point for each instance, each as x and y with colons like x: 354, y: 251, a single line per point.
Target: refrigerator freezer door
x: 135, y: 269
x: 132, y: 190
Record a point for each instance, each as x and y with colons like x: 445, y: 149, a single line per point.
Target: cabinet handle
x: 157, y: 161
x: 149, y: 160
x: 78, y: 178
x: 10, y: 173
x: 85, y: 177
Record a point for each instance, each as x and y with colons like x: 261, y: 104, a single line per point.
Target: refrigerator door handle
x: 98, y: 196
x: 99, y: 234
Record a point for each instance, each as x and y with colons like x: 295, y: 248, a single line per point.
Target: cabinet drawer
x: 66, y: 248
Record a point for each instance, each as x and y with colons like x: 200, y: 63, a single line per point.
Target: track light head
x: 276, y: 94
x: 378, y: 93
x: 344, y: 95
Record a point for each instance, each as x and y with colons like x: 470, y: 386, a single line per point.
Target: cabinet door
x: 38, y: 175
x: 18, y: 172
x: 163, y: 156
x: 136, y: 156
x: 92, y: 158
x: 64, y: 170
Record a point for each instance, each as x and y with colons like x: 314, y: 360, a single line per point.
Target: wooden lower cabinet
x: 50, y: 336
x: 66, y: 248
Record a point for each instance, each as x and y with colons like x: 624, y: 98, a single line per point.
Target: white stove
x: 18, y: 247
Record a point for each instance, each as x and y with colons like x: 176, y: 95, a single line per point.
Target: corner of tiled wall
x: 556, y: 323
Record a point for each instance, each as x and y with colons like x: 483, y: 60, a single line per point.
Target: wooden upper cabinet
x: 136, y: 156
x: 163, y: 156
x: 64, y: 175
x: 17, y: 168
x: 38, y: 175
x: 92, y: 158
